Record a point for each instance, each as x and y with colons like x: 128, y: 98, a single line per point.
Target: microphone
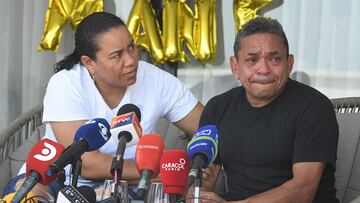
x: 39, y: 159
x: 147, y: 158
x: 69, y: 194
x: 127, y: 122
x: 125, y: 128
x: 89, y: 137
x: 202, y: 149
x: 174, y: 169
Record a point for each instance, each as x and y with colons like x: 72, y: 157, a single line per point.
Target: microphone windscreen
x: 88, y: 193
x: 204, y: 141
x: 41, y: 156
x: 95, y: 132
x: 174, y: 169
x: 127, y: 108
x: 148, y: 153
x: 128, y: 125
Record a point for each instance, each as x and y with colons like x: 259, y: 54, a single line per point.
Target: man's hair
x: 260, y: 25
x: 86, y: 34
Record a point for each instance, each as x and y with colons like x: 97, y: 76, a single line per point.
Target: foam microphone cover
x: 127, y: 123
x: 127, y: 108
x: 95, y: 132
x: 205, y: 142
x: 41, y: 157
x: 148, y: 153
x: 174, y: 169
x: 88, y: 192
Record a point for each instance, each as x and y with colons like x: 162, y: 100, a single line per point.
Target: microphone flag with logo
x: 89, y: 137
x: 174, y: 169
x: 147, y: 158
x: 39, y: 159
x: 127, y: 122
x: 82, y: 194
x: 202, y: 149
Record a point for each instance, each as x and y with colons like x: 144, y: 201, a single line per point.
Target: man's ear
x: 88, y: 63
x: 234, y: 67
x: 290, y: 63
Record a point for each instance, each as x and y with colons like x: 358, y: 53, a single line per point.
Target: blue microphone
x: 89, y: 137
x: 202, y: 150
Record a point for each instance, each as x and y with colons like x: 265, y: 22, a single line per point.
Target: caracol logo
x: 148, y: 147
x: 47, y: 153
x: 174, y: 166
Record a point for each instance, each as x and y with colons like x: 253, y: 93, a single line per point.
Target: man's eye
x: 275, y: 59
x: 251, y: 60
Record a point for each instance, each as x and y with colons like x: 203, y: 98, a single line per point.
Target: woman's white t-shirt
x: 72, y: 95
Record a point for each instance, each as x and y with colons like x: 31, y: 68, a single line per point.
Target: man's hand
x: 210, y: 176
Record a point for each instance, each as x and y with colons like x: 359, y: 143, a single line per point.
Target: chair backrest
x: 348, y: 154
x: 16, y: 141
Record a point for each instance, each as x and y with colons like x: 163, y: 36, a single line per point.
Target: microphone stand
x: 117, y: 166
x: 61, y: 179
x: 197, y: 185
x: 76, y: 171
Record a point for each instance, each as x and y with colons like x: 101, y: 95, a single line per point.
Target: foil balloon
x: 144, y: 27
x: 245, y: 10
x: 181, y: 26
x: 60, y: 12
x: 198, y: 30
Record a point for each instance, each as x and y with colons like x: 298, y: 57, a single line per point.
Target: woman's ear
x: 88, y: 63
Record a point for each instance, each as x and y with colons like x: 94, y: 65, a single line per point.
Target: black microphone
x: 126, y: 128
x: 89, y: 137
x: 82, y: 194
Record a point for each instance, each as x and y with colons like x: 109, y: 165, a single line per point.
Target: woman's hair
x: 86, y: 35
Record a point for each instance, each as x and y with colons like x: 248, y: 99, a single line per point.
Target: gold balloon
x: 143, y: 14
x: 199, y: 30
x: 180, y: 25
x: 245, y: 10
x: 171, y: 29
x: 60, y: 12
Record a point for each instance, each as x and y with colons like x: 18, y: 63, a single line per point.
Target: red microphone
x: 41, y: 156
x: 147, y: 157
x: 174, y: 171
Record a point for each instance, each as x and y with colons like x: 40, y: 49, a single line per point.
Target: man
x: 277, y: 137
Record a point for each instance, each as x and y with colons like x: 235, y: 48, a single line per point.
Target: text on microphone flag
x: 171, y: 166
x: 127, y: 119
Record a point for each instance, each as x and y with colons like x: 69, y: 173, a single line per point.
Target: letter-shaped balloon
x: 245, y: 10
x: 60, y: 12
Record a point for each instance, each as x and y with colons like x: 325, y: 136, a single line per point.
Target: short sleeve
x: 176, y: 99
x: 207, y: 116
x: 317, y: 133
x: 63, y: 101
